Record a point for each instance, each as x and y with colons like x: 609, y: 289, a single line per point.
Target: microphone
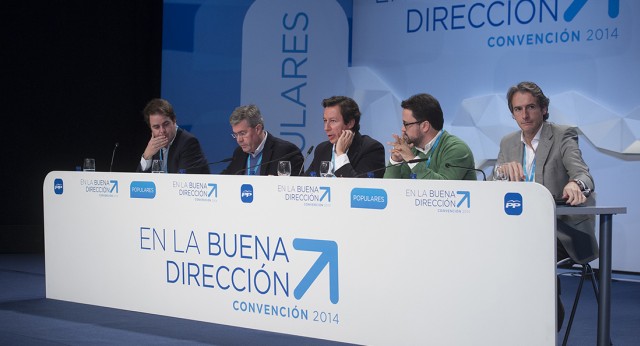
x: 390, y: 165
x: 305, y: 159
x: 286, y: 156
x: 113, y: 155
x: 418, y: 160
x: 484, y: 176
x: 184, y: 170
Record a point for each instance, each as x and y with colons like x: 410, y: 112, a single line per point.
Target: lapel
x: 172, y: 158
x: 243, y: 162
x: 354, y: 149
x: 515, y: 148
x: 267, y: 154
x: 544, y: 148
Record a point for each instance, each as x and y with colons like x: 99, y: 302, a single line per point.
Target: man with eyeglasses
x: 258, y: 151
x: 351, y: 154
x: 179, y: 151
x: 443, y: 155
x: 548, y: 154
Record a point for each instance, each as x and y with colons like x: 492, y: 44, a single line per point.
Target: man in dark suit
x: 548, y: 154
x: 179, y: 150
x: 258, y: 151
x: 351, y: 154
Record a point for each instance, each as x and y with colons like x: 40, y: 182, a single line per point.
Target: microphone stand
x: 113, y: 155
x: 228, y: 159
x: 304, y: 160
x: 390, y: 165
x: 484, y: 176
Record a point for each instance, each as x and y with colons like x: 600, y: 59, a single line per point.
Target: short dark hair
x: 348, y: 108
x: 425, y: 108
x: 158, y: 106
x: 533, y: 89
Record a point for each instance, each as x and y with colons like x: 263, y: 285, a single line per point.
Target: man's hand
x: 155, y: 144
x: 573, y: 194
x: 401, y: 149
x: 344, y: 142
x: 514, y: 170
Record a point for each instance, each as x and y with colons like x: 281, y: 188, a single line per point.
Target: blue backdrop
x: 287, y: 55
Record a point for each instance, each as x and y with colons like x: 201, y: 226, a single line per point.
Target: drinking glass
x: 326, y: 169
x: 89, y: 165
x: 500, y: 173
x: 284, y: 168
x: 157, y: 166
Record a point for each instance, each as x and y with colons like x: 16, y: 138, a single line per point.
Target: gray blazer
x: 558, y: 161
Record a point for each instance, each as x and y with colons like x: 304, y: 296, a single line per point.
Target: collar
x: 174, y: 138
x: 261, y: 146
x: 536, y: 139
x: 430, y: 144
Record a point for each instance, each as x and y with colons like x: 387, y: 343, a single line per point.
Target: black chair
x: 585, y: 272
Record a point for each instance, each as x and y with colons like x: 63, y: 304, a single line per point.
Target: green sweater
x: 450, y: 149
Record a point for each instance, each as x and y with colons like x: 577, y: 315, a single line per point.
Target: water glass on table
x: 89, y: 165
x: 500, y: 173
x: 157, y: 166
x: 326, y: 169
x: 284, y: 168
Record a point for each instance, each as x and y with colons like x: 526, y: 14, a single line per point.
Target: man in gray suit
x: 548, y: 154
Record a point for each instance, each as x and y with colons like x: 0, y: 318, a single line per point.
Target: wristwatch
x: 586, y: 191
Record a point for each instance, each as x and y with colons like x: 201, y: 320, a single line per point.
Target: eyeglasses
x: 405, y: 125
x: 240, y: 134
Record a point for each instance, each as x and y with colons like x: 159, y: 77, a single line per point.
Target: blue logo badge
x: 368, y: 198
x: 142, y: 189
x: 513, y: 203
x: 58, y: 186
x: 246, y: 193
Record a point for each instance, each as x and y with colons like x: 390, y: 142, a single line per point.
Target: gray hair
x: 250, y: 113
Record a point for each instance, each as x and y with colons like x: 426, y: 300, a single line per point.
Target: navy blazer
x: 365, y: 155
x: 275, y: 149
x: 185, y: 154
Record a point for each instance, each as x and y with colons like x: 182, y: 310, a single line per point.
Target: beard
x: 415, y: 141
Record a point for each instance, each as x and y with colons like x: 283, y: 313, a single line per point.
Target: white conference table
x: 604, y: 307
x: 313, y: 257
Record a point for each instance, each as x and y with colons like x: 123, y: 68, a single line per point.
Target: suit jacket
x: 450, y: 149
x: 365, y: 155
x: 275, y: 149
x: 558, y: 161
x: 185, y: 153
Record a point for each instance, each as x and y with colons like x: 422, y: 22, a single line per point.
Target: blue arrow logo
x: 466, y: 196
x: 576, y: 6
x: 328, y: 256
x: 214, y: 188
x: 327, y: 193
x: 115, y: 186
